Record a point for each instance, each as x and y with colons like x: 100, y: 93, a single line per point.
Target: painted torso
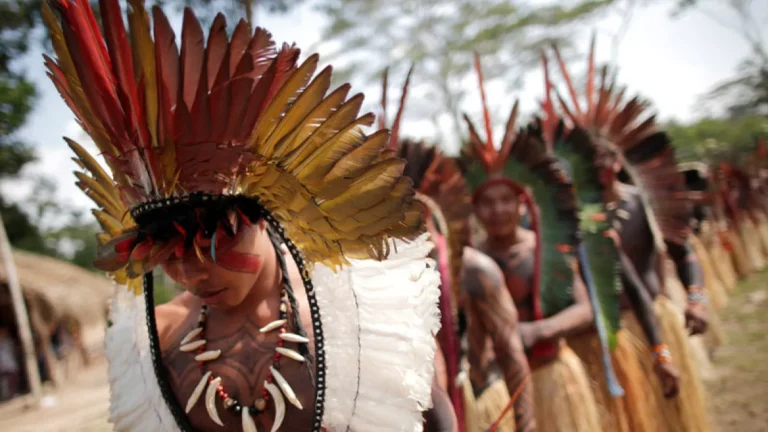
x: 246, y: 355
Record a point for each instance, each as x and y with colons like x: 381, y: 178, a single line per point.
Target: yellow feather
x: 143, y: 48
x: 277, y: 106
x: 94, y: 185
x: 103, y: 238
x: 367, y: 190
x: 354, y: 162
x: 100, y: 201
x: 88, y: 162
x: 314, y: 120
x: 109, y: 223
x: 340, y: 119
x: 293, y: 120
x: 316, y: 165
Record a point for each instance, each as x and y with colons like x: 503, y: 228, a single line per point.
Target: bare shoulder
x: 170, y: 316
x: 482, y: 276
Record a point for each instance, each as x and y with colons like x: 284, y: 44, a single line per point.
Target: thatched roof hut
x: 57, y: 291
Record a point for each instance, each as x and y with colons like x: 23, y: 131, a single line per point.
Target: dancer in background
x: 539, y: 265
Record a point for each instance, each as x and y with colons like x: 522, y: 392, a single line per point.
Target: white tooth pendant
x: 273, y: 325
x: 191, y: 335
x: 277, y: 398
x: 293, y: 337
x: 208, y: 355
x: 286, y: 388
x: 192, y: 345
x: 210, y: 401
x: 248, y: 424
x: 291, y: 354
x: 197, y: 392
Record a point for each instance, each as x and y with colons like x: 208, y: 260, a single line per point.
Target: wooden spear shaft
x: 22, y: 318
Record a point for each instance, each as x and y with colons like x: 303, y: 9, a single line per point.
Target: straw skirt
x: 563, y: 396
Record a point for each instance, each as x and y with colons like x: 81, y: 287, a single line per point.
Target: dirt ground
x: 738, y: 392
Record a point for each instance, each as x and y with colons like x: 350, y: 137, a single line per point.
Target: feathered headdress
x: 523, y: 159
x: 623, y: 128
x: 440, y: 187
x: 216, y: 122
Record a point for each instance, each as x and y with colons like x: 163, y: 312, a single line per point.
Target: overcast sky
x: 670, y: 61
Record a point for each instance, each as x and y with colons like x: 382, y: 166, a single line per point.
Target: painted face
x: 497, y: 208
x: 226, y: 281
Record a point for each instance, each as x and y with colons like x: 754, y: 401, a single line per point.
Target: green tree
x: 233, y: 9
x: 746, y: 93
x: 712, y: 139
x: 18, y: 18
x: 439, y: 36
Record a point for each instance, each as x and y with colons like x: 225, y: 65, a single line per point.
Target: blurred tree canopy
x: 18, y: 18
x: 713, y: 139
x: 439, y: 36
x: 234, y: 10
x: 745, y: 94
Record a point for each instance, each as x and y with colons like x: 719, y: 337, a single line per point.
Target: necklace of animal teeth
x: 276, y: 388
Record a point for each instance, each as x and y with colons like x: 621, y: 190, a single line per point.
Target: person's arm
x: 640, y: 299
x: 690, y: 274
x: 642, y: 304
x: 572, y: 320
x: 441, y: 417
x: 490, y: 306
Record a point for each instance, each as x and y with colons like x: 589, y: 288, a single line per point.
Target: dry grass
x: 739, y: 394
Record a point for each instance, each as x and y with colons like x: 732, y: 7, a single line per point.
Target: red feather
x: 394, y: 138
x: 384, y: 85
x: 591, y: 77
x: 167, y: 67
x: 240, y: 95
x: 216, y: 50
x: 191, y: 58
x: 122, y: 66
x: 486, y: 114
x: 238, y: 46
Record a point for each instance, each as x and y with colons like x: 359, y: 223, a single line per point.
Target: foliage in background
x: 439, y: 36
x: 746, y: 93
x: 713, y: 139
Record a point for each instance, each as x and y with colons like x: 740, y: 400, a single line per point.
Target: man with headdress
x: 539, y: 265
x: 309, y: 302
x: 653, y: 217
x: 696, y: 176
x: 473, y: 287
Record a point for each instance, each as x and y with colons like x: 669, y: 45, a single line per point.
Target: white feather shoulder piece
x: 136, y: 403
x: 379, y: 321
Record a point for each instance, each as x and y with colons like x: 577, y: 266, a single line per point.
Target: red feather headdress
x: 622, y: 128
x: 215, y: 120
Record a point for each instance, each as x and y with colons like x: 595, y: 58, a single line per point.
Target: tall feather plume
x: 384, y: 84
x: 484, y: 150
x: 647, y: 154
x: 395, y: 134
x: 486, y: 113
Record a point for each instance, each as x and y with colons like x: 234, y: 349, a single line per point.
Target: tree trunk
x: 22, y: 319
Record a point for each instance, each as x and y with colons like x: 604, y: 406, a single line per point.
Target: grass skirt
x: 563, y: 396
x: 739, y: 255
x: 754, y: 247
x: 481, y: 412
x: 718, y: 297
x: 686, y: 412
x: 631, y: 412
x: 722, y: 263
x: 762, y: 230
